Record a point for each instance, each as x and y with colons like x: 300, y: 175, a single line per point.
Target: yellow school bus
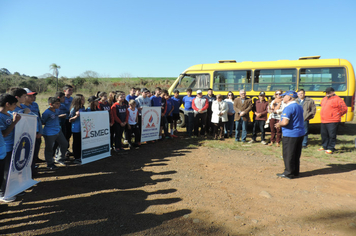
x: 312, y: 74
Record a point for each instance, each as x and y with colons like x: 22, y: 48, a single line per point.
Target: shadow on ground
x: 332, y: 169
x: 99, y: 198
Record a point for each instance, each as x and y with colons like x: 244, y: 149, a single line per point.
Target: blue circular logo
x: 8, y: 121
x: 22, y: 151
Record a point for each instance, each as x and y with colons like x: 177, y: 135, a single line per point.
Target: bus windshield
x: 194, y: 82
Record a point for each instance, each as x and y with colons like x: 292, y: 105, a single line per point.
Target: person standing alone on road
x: 332, y: 108
x: 292, y: 124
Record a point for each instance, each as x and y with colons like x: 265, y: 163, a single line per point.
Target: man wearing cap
x: 292, y: 124
x: 200, y: 106
x: 332, y: 108
x: 309, y: 109
x: 242, y: 107
x: 33, y: 106
x: 260, y: 109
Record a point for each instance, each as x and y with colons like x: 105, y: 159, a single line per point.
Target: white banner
x: 95, y: 128
x: 20, y: 173
x: 151, y: 122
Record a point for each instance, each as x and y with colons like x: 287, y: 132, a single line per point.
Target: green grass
x: 345, y: 153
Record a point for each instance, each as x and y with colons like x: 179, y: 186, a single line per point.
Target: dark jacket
x: 260, y: 107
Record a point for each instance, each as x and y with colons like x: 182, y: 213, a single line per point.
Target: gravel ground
x: 181, y: 187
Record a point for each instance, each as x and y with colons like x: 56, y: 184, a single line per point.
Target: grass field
x: 345, y: 153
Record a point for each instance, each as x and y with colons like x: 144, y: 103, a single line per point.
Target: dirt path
x: 179, y: 187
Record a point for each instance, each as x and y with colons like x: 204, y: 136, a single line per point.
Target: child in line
x: 20, y: 94
x: 33, y: 106
x: 169, y: 113
x: 52, y: 133
x: 76, y: 108
x: 141, y: 102
x: 68, y: 91
x: 177, y: 103
x: 105, y: 105
x: 119, y: 118
x: 7, y: 123
x: 62, y: 115
x: 132, y: 95
x: 164, y: 123
x: 111, y: 98
x: 93, y: 103
x: 133, y: 126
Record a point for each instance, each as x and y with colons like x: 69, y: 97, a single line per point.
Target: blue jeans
x: 229, y: 125
x: 189, y: 122
x: 305, y: 138
x: 240, y: 124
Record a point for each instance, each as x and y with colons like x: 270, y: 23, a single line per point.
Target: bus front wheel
x: 181, y: 121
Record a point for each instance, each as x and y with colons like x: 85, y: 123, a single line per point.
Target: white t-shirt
x: 132, y: 116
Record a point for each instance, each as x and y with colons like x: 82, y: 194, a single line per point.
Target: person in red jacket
x: 200, y: 106
x: 119, y: 119
x: 332, y: 108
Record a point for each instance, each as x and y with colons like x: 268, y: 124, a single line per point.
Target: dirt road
x: 181, y: 187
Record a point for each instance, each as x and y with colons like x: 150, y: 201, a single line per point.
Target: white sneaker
x: 252, y: 141
x: 11, y: 199
x: 263, y: 142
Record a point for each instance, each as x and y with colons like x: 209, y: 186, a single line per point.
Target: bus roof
x: 270, y: 64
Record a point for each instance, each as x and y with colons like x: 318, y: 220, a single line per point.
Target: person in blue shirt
x: 156, y: 99
x: 132, y: 95
x: 62, y: 115
x: 292, y: 123
x: 76, y: 108
x: 189, y: 112
x: 68, y: 91
x: 169, y: 112
x: 52, y: 133
x: 7, y: 125
x: 177, y: 103
x: 20, y: 94
x: 33, y: 106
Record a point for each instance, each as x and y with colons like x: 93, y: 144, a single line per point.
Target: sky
x: 162, y: 38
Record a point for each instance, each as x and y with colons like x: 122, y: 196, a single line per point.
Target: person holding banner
x: 7, y: 123
x: 77, y: 107
x: 20, y: 94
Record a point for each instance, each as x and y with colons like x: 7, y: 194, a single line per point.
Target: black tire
x: 181, y: 121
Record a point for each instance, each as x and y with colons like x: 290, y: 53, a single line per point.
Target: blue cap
x: 290, y: 93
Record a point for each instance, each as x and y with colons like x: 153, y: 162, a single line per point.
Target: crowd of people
x: 288, y: 115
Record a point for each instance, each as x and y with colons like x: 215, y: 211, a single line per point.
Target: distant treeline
x: 86, y: 82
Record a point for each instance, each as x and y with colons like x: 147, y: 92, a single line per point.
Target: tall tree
x: 54, y: 67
